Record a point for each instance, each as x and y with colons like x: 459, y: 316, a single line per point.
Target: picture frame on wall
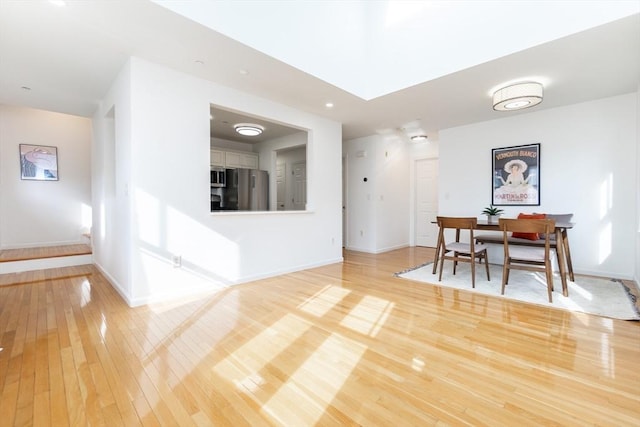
x: 516, y: 176
x: 38, y: 162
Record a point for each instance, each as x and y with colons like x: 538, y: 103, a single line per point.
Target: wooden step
x: 37, y: 258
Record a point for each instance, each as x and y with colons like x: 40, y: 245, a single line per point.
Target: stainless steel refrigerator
x: 247, y: 190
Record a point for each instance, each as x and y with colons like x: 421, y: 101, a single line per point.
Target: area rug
x: 603, y: 297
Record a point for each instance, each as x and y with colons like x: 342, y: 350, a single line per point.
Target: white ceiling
x: 223, y: 122
x: 69, y: 56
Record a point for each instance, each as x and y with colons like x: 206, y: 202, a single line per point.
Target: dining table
x: 563, y: 253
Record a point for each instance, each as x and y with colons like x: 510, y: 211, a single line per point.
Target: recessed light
x: 25, y: 88
x: 248, y: 129
x: 199, y: 62
x: 243, y: 72
x: 329, y: 105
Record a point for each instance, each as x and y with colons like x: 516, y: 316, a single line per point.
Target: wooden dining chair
x: 532, y: 258
x: 457, y: 251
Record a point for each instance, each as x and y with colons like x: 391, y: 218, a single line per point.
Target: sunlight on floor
x: 324, y: 300
x: 316, y: 382
x: 573, y: 287
x: 368, y: 316
x: 244, y: 364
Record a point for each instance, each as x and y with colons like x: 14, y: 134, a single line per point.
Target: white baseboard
x: 182, y: 294
x: 376, y: 251
x: 115, y: 285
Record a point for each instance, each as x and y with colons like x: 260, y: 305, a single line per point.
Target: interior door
x: 426, y: 205
x: 299, y: 186
x: 281, y: 185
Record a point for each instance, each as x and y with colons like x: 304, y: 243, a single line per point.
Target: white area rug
x: 604, y: 297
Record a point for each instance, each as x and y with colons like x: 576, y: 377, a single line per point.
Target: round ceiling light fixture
x: 248, y: 129
x: 517, y: 96
x: 419, y: 138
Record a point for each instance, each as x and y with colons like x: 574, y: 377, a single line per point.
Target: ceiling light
x: 248, y: 129
x: 517, y: 96
x: 419, y: 137
x: 329, y: 105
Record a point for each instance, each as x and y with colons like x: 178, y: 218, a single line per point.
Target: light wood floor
x: 345, y: 344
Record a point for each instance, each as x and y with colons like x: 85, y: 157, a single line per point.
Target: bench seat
x: 497, y: 238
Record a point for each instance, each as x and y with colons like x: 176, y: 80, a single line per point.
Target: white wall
x: 588, y: 166
x: 111, y: 182
x: 637, y: 192
x: 377, y: 209
x: 165, y: 138
x: 44, y: 213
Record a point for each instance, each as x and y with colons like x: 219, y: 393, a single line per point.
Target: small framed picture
x: 516, y: 176
x: 38, y: 162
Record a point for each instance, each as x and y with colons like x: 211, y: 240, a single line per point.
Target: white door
x: 426, y: 197
x: 299, y: 186
x: 281, y: 182
x: 344, y: 202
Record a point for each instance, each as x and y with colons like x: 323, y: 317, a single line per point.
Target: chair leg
x: 506, y: 275
x: 455, y: 262
x: 567, y: 255
x: 473, y: 271
x: 505, y: 272
x: 549, y: 271
x: 441, y: 264
x: 486, y: 265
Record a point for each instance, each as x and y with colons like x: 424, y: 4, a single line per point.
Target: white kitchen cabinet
x: 234, y: 159
x: 217, y: 158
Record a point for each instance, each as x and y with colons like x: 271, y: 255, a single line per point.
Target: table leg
x: 559, y: 248
x: 567, y: 254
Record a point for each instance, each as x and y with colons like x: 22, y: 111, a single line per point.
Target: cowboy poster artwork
x: 516, y: 176
x: 38, y: 162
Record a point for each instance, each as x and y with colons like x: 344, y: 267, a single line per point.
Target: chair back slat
x: 465, y: 223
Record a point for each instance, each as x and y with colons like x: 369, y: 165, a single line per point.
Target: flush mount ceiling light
x: 419, y: 137
x: 248, y: 129
x: 517, y: 96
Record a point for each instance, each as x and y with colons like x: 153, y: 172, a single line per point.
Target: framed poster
x: 38, y: 162
x: 516, y: 176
